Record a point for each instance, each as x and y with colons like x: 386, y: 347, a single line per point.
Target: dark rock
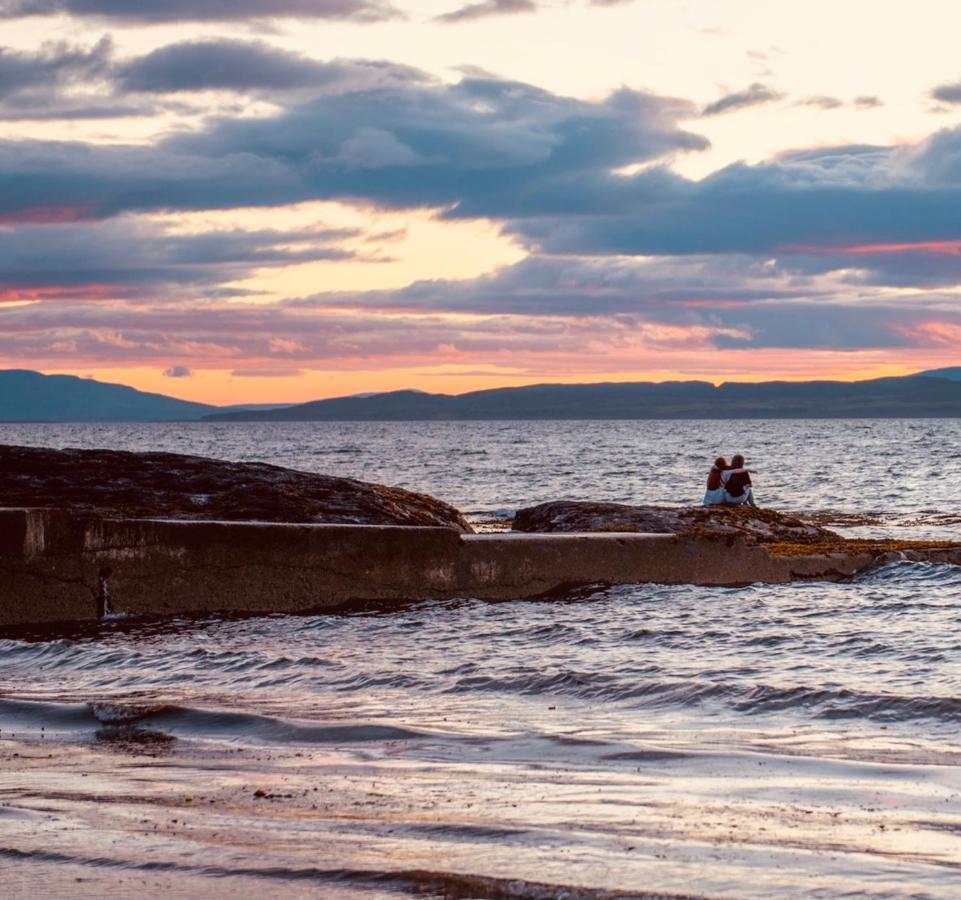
x: 169, y: 485
x: 761, y: 526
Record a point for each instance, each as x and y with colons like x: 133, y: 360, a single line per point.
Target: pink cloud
x: 936, y: 248
x: 46, y: 215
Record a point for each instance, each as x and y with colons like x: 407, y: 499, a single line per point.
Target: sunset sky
x: 281, y: 200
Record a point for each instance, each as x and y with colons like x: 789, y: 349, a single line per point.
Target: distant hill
x: 31, y: 397
x: 952, y: 374
x: 917, y: 396
x: 27, y: 396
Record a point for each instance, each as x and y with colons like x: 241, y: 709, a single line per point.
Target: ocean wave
x: 757, y: 699
x: 451, y: 885
x: 30, y: 716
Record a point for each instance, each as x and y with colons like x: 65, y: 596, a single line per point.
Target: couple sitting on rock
x: 729, y: 483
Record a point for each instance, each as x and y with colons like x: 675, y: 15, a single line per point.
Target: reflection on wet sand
x: 453, y: 818
x: 129, y: 739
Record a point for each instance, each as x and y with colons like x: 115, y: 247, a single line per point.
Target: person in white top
x: 714, y: 494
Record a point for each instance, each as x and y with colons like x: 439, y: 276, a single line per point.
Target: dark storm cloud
x: 754, y: 95
x: 145, y: 12
x: 486, y: 9
x: 232, y: 65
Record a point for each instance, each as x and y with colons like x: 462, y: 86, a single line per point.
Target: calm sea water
x: 907, y: 471
x: 772, y: 740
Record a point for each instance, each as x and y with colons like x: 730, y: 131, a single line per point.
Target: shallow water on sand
x: 764, y: 741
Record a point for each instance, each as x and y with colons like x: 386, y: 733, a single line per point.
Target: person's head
x: 720, y: 463
x: 737, y: 461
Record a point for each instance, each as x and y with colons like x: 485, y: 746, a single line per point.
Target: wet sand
x: 447, y: 814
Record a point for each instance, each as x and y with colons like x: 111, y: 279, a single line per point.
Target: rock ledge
x: 170, y: 485
x: 778, y: 533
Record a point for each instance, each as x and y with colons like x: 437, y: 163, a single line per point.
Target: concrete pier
x: 57, y: 566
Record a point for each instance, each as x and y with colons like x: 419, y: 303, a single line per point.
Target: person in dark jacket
x: 738, y: 489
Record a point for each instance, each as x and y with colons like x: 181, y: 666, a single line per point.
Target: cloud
x: 266, y: 373
x: 178, y: 372
x: 233, y: 65
x: 59, y: 80
x: 55, y: 63
x: 546, y: 314
x: 754, y: 95
x: 821, y: 102
x: 729, y: 301
x: 68, y: 81
x: 138, y: 12
x: 134, y: 257
x: 948, y: 93
x: 831, y: 198
x: 584, y: 286
x: 480, y: 143
x: 486, y: 9
x: 542, y: 164
x: 825, y: 102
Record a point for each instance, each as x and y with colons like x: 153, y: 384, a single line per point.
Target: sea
x: 631, y: 741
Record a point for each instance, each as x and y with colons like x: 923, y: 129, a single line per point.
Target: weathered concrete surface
x: 118, y: 484
x: 56, y: 565
x: 522, y: 565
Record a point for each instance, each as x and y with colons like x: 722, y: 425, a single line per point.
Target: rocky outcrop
x: 763, y: 526
x: 778, y: 534
x: 170, y: 485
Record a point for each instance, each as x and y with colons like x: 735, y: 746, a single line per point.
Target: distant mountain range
x: 31, y: 397
x: 911, y: 396
x: 27, y: 396
x: 953, y: 374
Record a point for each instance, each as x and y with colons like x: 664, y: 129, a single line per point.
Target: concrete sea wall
x: 56, y: 565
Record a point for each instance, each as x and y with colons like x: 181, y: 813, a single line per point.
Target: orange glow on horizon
x: 221, y: 387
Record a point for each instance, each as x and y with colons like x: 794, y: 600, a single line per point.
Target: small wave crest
x: 27, y: 716
x: 450, y: 885
x: 820, y: 702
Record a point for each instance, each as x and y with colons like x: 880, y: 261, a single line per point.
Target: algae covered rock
x: 170, y: 485
x: 756, y: 525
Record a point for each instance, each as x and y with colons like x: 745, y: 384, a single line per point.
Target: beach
x: 676, y: 740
